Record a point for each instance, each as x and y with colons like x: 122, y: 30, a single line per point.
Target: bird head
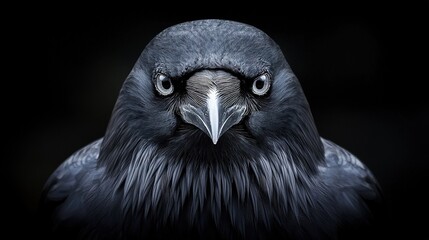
x: 212, y: 84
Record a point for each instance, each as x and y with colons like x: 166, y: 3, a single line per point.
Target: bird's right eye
x: 163, y: 84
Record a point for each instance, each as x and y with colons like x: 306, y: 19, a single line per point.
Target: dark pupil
x: 166, y: 84
x: 259, y: 84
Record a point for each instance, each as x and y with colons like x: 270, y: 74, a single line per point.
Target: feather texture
x: 153, y: 175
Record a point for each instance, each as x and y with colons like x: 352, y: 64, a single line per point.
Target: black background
x: 363, y: 67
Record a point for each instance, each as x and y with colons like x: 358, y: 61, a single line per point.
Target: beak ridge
x: 213, y: 118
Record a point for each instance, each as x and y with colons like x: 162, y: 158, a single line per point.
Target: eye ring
x: 163, y: 84
x: 261, y: 84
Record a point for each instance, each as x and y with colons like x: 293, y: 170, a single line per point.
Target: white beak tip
x: 215, y: 140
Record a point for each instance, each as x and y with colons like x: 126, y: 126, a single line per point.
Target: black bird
x: 211, y: 137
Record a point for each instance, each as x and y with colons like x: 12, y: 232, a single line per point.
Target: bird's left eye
x: 261, y: 84
x: 163, y: 84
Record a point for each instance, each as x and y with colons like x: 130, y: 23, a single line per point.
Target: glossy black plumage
x: 154, y: 174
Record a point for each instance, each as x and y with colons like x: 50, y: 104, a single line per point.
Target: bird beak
x: 213, y: 118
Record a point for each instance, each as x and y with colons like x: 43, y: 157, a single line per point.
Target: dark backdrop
x: 363, y: 67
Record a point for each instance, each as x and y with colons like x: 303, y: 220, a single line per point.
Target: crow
x: 211, y: 137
